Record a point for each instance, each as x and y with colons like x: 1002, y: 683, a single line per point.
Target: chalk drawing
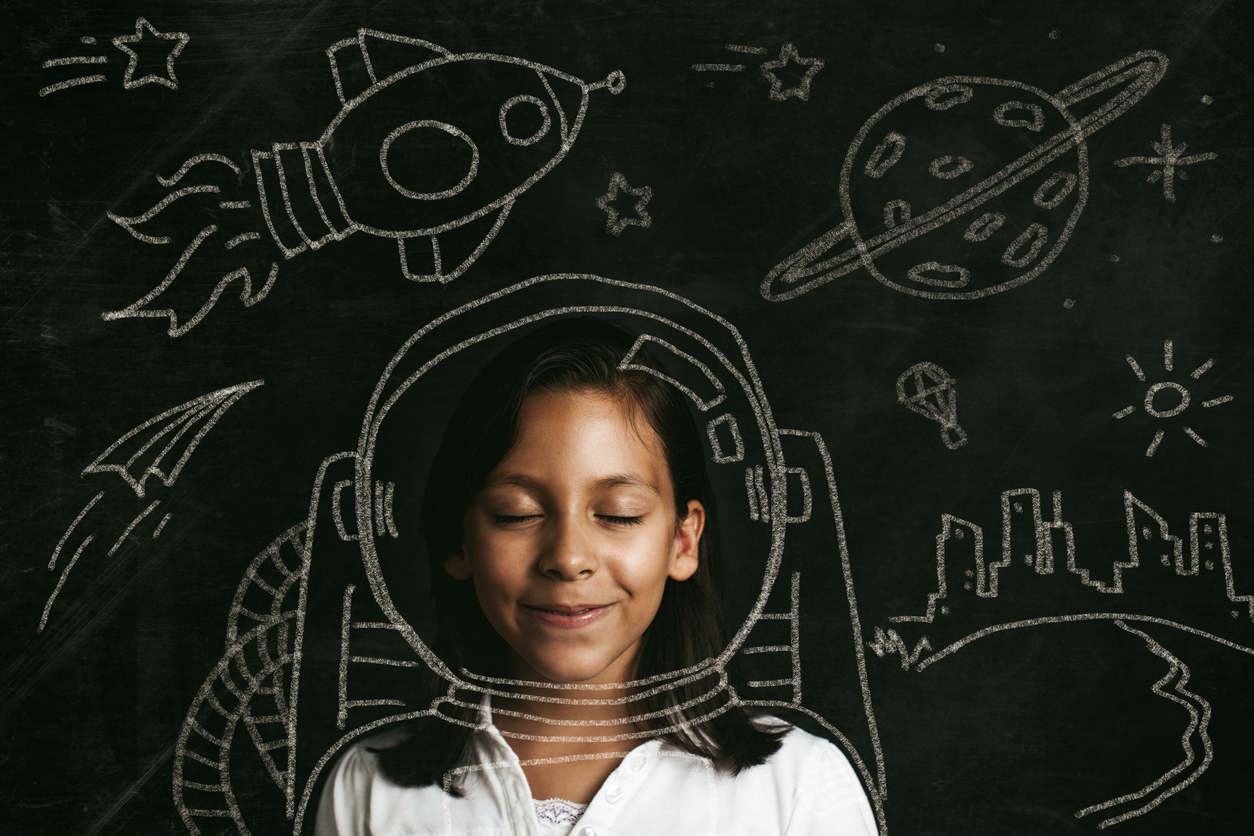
x: 887, y: 643
x: 169, y: 80
x: 1199, y: 719
x: 122, y: 42
x: 161, y: 447
x: 787, y: 55
x: 929, y: 390
x: 310, y: 194
x: 952, y: 529
x: 279, y: 620
x: 964, y: 575
x: 1178, y: 676
x: 615, y: 222
x: 1174, y: 403
x: 1060, y: 138
x: 1171, y: 162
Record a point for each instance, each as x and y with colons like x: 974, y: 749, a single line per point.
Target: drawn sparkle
x: 786, y: 54
x: 1170, y: 159
x: 128, y: 81
x: 1182, y: 396
x: 616, y: 223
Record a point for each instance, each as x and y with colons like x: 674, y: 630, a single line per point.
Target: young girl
x: 573, y: 547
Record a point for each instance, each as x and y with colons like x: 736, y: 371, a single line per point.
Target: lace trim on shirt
x: 558, y: 811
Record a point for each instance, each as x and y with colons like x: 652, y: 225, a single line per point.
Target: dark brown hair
x: 572, y: 355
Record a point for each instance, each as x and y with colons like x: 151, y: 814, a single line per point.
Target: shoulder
x: 823, y: 784
x: 346, y: 794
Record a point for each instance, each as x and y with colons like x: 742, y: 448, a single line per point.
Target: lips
x: 567, y: 617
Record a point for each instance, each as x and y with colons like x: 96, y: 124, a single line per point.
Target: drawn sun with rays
x: 1168, y: 398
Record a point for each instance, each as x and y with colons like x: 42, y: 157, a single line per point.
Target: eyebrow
x: 617, y: 480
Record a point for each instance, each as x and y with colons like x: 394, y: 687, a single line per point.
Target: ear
x: 685, y: 553
x: 458, y: 565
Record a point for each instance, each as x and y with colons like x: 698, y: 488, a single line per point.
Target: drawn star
x: 786, y: 54
x: 615, y: 223
x: 1170, y: 158
x: 121, y: 42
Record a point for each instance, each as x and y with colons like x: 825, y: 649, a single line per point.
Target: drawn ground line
x: 1198, y: 724
x: 954, y: 647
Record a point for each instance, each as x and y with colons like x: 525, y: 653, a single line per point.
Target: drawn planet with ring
x: 966, y: 186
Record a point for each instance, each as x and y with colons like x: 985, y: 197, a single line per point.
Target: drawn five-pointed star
x: 1171, y: 158
x: 789, y: 53
x: 121, y: 42
x: 615, y: 223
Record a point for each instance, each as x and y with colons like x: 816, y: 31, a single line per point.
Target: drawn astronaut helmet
x: 702, y: 355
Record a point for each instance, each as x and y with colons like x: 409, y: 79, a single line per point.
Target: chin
x: 569, y: 671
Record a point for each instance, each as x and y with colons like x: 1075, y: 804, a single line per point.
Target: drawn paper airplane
x: 159, y: 447
x: 427, y: 142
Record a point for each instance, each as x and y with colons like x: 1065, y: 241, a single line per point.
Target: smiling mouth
x: 568, y: 617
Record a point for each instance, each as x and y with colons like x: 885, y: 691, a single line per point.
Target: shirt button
x: 613, y: 794
x: 637, y: 763
x: 587, y: 831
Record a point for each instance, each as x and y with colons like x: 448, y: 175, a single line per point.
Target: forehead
x: 596, y: 424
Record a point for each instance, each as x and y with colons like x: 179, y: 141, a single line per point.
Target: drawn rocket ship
x: 427, y: 142
x: 443, y: 141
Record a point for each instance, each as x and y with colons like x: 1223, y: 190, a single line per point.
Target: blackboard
x: 961, y: 288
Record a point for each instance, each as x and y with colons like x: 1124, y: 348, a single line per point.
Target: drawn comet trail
x: 161, y: 447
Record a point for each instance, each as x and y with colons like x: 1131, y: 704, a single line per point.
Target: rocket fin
x: 420, y: 265
x: 358, y: 63
x: 386, y: 54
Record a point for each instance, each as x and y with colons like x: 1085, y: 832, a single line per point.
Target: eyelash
x: 507, y: 519
x: 624, y: 521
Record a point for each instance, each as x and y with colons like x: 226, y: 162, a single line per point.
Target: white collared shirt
x: 807, y: 787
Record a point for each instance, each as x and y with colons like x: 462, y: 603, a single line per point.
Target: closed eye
x: 511, y: 519
x: 616, y: 520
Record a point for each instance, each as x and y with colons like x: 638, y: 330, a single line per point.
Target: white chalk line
x: 74, y: 82
x: 197, y: 160
x: 74, y: 60
x: 1197, y: 724
x: 43, y: 620
x: 953, y: 648
x: 128, y: 223
x: 52, y: 564
x: 127, y: 531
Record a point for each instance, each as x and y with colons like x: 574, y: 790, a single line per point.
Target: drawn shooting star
x: 161, y: 447
x: 615, y: 223
x: 1183, y: 398
x: 787, y: 55
x: 490, y: 127
x: 122, y: 41
x: 1171, y: 160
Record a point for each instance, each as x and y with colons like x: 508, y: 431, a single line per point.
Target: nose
x: 570, y: 553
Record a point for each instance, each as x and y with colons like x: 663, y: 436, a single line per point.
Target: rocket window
x: 523, y: 118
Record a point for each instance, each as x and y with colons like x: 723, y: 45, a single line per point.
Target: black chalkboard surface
x: 959, y: 292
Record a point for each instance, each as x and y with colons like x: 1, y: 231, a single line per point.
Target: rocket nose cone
x: 570, y: 95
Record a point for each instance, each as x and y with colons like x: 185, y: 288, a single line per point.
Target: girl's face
x: 573, y: 536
